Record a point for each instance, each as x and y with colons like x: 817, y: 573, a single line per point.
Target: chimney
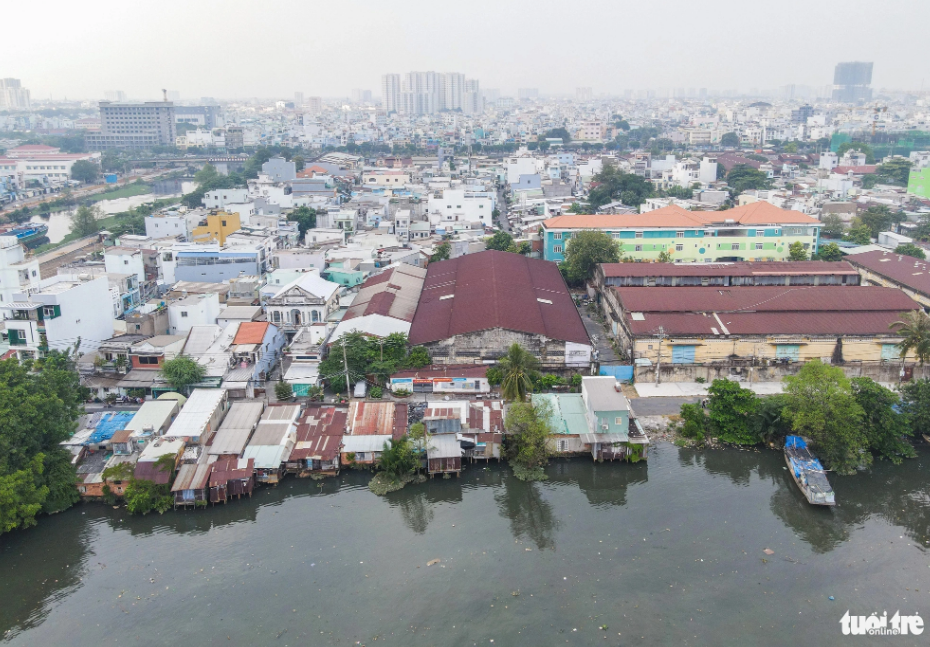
x: 164, y: 94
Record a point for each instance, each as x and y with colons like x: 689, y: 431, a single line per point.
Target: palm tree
x: 915, y: 332
x: 517, y: 365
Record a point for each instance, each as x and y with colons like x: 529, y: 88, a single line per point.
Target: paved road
x: 659, y: 406
x: 605, y: 351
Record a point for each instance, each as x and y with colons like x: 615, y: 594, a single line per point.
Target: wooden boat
x: 807, y: 472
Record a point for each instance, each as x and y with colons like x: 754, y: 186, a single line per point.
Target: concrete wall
x: 490, y: 345
x: 878, y: 371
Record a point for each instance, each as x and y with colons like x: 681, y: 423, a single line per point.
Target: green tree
x: 833, y: 226
x: 829, y: 252
x: 895, y: 171
x: 915, y: 404
x: 501, y: 241
x: 527, y: 440
x: 791, y: 147
x: 886, y: 429
x: 441, y: 253
x: 821, y: 406
x: 299, y: 162
x: 305, y: 217
x: 857, y: 146
x: 729, y: 140
x: 207, y: 175
x: 612, y: 184
x: 85, y: 171
x: 182, y: 372
x: 796, y: 252
x: 418, y: 357
x: 495, y: 376
x: 40, y: 403
x: 557, y: 133
x: 524, y: 248
x: 517, y: 366
x: 577, y: 207
x: 861, y: 235
x: 84, y: 221
x: 731, y: 408
x: 910, y: 249
x: 767, y: 421
x: 694, y: 422
x: 665, y: 256
x: 585, y: 250
x: 914, y: 329
x: 743, y: 177
x: 283, y: 390
x: 877, y: 218
x: 398, y: 459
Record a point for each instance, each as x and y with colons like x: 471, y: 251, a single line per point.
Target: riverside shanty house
x: 148, y: 468
x: 192, y: 482
x: 200, y: 416
x: 231, y: 476
x: 595, y: 421
x: 478, y: 426
x: 273, y: 442
x: 444, y: 454
x: 319, y: 438
x: 237, y: 428
x: 369, y: 426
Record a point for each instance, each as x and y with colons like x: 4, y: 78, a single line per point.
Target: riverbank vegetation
x: 366, y: 357
x: 849, y: 421
x: 526, y: 445
x: 40, y: 402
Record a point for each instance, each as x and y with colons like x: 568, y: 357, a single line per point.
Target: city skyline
x: 684, y: 47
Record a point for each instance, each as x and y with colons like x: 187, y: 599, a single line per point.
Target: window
x: 638, y: 234
x: 638, y: 248
x: 760, y: 232
x: 758, y: 245
x: 557, y: 249
x: 734, y: 245
x: 615, y: 235
x: 223, y: 223
x: 679, y: 248
x: 618, y: 421
x: 679, y: 234
x: 150, y: 361
x: 183, y: 313
x: 557, y: 236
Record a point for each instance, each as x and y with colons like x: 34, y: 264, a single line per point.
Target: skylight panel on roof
x: 446, y: 296
x: 544, y: 301
x: 638, y: 316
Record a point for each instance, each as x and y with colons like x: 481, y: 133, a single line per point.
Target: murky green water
x: 665, y: 553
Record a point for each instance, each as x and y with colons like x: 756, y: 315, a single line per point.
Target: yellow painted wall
x: 219, y: 226
x: 707, y: 350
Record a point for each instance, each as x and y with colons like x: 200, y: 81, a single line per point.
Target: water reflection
x: 59, y: 555
x: 416, y: 509
x: 737, y: 465
x: 530, y: 515
x: 898, y: 494
x: 603, y: 484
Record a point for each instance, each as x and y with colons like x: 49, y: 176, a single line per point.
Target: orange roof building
x: 251, y: 332
x: 759, y: 231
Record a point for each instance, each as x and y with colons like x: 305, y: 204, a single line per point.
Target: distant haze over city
x: 240, y: 49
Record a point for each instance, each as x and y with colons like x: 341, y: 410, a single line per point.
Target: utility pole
x: 659, y: 356
x: 345, y: 363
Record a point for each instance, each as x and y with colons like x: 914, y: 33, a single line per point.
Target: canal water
x: 59, y: 222
x: 669, y: 552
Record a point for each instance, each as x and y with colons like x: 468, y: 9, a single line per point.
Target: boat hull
x: 805, y: 491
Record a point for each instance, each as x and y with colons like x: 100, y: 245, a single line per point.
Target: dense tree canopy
x: 501, y: 241
x: 829, y: 252
x: 584, y: 251
x: 611, y: 185
x: 85, y: 171
x: 910, y: 249
x: 305, y: 217
x: 743, y: 177
x: 84, y: 221
x: 526, y: 444
x: 39, y: 407
x: 369, y: 356
x: 731, y: 408
x: 729, y: 140
x: 182, y: 372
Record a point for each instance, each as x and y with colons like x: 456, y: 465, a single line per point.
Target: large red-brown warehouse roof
x: 492, y: 290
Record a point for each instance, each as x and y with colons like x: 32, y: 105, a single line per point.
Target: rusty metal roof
x: 763, y: 299
x: 491, y: 290
x: 774, y: 268
x: 393, y: 293
x: 905, y: 270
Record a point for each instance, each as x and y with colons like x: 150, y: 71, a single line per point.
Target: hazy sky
x: 272, y: 48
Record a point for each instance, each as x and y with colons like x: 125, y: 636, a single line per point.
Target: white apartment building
x: 193, y: 310
x: 457, y: 205
x: 393, y: 179
x: 61, y: 311
x: 219, y: 198
x: 16, y: 273
x: 517, y: 166
x: 173, y: 223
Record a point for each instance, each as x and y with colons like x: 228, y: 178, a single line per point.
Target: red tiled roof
x: 380, y: 304
x: 866, y: 169
x: 750, y: 299
x: 756, y: 213
x: 251, y: 332
x: 491, y: 290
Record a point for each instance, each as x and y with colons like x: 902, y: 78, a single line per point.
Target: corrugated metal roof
x: 568, y: 412
x: 393, y: 293
x: 373, y: 443
x: 829, y: 322
x: 445, y: 446
x: 763, y: 299
x: 196, y: 413
x: 267, y: 457
x: 271, y: 433
x: 194, y: 476
x: 783, y: 268
x: 371, y: 418
x: 905, y: 270
x: 491, y: 290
